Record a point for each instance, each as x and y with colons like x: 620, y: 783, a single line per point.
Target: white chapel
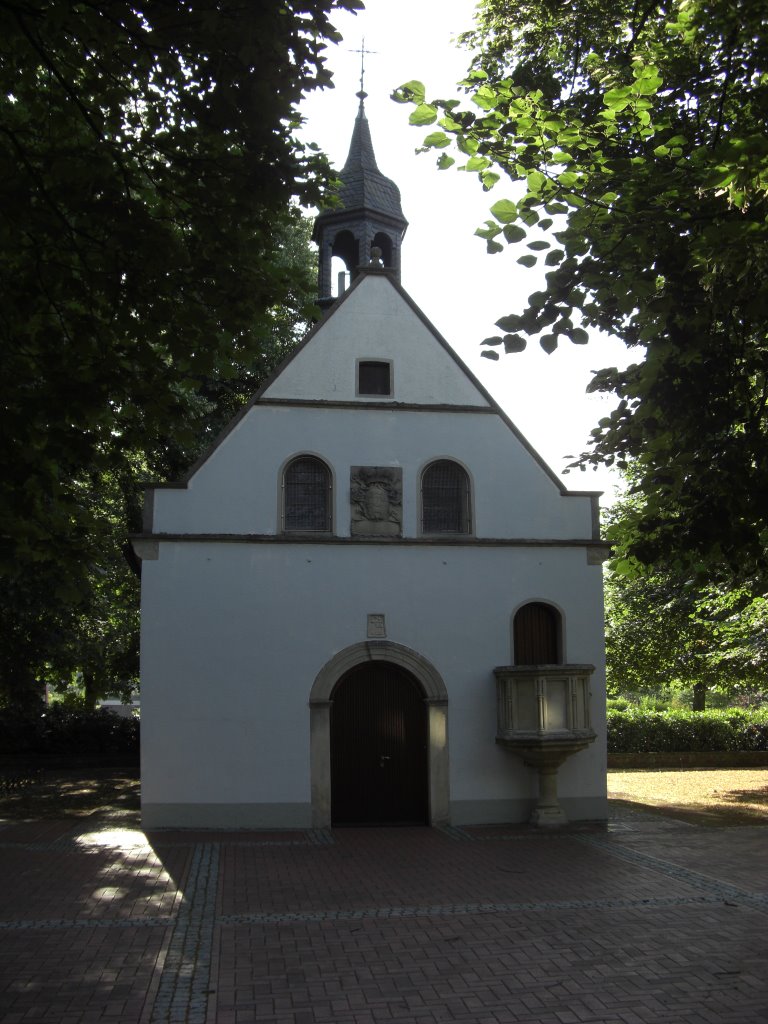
x: 371, y: 603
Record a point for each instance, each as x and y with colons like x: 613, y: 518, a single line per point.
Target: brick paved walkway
x: 647, y: 921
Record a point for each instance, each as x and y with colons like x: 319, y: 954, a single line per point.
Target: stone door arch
x: 436, y: 699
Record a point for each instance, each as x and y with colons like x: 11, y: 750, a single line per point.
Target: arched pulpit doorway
x: 379, y: 747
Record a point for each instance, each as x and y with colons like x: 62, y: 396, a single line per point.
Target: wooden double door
x: 379, y: 741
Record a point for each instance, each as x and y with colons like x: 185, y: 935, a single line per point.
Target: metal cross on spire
x: 362, y: 51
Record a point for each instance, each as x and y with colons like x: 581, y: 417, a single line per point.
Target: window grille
x: 537, y: 635
x: 307, y: 496
x: 445, y: 498
x: 374, y: 377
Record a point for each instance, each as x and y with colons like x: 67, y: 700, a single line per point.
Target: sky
x: 445, y: 268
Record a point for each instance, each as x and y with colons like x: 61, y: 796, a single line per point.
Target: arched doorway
x: 435, y: 699
x: 379, y: 747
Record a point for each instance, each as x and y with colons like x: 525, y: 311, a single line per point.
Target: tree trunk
x: 699, y: 696
x: 91, y: 691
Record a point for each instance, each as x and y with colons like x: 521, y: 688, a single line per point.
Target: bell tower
x: 369, y: 216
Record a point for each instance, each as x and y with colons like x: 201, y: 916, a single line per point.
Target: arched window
x: 537, y: 635
x: 307, y: 496
x: 445, y: 499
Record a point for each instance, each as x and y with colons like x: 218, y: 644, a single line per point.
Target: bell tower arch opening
x: 385, y: 245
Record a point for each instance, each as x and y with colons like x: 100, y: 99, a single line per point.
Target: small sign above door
x: 377, y: 626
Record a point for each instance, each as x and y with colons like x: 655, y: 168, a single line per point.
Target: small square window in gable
x: 374, y: 377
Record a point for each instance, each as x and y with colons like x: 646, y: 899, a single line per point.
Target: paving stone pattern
x: 644, y: 921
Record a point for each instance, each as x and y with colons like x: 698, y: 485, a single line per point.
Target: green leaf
x: 641, y: 71
x: 490, y: 354
x: 425, y: 113
x: 511, y: 322
x: 437, y: 140
x: 450, y: 123
x: 495, y: 340
x: 548, y: 342
x: 489, y: 179
x: 514, y: 343
x: 539, y: 245
x: 536, y: 181
x: 554, y: 257
x: 477, y: 163
x: 617, y: 99
x: 504, y: 211
x: 514, y: 233
x: 466, y: 144
x: 411, y: 92
x: 527, y: 261
x: 485, y: 98
x: 648, y: 86
x: 718, y: 177
x: 579, y: 336
x: 445, y: 162
x: 489, y: 230
x: 529, y: 217
x: 493, y: 247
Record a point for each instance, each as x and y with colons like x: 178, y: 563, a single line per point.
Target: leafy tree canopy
x: 634, y: 134
x: 154, y: 270
x: 667, y: 632
x: 147, y: 158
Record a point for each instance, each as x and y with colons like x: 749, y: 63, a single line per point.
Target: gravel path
x: 708, y: 796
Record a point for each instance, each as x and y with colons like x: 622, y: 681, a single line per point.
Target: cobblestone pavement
x: 644, y: 921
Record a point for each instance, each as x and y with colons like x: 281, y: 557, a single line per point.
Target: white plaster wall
x: 374, y: 322
x: 237, y: 490
x: 234, y: 634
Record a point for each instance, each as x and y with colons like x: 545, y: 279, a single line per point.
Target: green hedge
x: 636, y: 731
x: 67, y: 732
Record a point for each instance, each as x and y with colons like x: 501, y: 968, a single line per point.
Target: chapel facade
x: 372, y: 584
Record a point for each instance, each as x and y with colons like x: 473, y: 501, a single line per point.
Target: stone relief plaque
x: 377, y: 626
x: 376, y: 498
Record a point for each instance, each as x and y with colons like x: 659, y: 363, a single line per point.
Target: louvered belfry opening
x: 445, y: 498
x: 307, y: 496
x: 379, y: 763
x: 537, y: 635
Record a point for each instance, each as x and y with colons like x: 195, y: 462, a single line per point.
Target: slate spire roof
x: 367, y: 224
x: 364, y: 186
